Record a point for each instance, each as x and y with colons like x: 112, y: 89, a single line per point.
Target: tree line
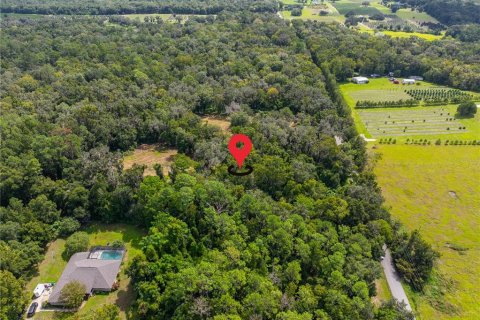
x: 95, y: 7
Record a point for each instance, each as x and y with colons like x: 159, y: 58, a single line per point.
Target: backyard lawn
x: 435, y: 189
x: 52, y: 267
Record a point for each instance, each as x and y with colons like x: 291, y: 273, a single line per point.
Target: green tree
x: 467, y: 109
x: 12, y: 299
x: 77, y: 242
x: 72, y: 294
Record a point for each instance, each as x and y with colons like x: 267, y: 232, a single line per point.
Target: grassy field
x: 312, y: 13
x: 149, y: 155
x: 52, y: 267
x: 428, y: 122
x: 435, y: 189
x: 356, y: 6
x: 371, y: 122
x: 415, y: 16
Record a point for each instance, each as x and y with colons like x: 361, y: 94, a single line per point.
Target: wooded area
x: 300, y: 238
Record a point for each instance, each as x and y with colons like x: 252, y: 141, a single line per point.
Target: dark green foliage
x: 438, y: 96
x: 467, y: 109
x: 12, y: 298
x: 414, y: 259
x: 393, y: 310
x: 77, y: 242
x: 298, y: 238
x: 136, y: 6
x: 72, y: 294
x: 296, y: 12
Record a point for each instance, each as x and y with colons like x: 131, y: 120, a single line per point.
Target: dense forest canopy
x: 300, y: 238
x: 102, y: 7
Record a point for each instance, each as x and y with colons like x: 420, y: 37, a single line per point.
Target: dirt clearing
x: 223, y: 124
x: 150, y: 154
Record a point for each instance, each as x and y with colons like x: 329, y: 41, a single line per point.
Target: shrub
x: 438, y: 142
x: 296, y: 12
x: 118, y: 244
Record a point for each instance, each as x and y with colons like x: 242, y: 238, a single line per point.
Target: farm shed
x: 360, y: 80
x: 408, y: 81
x: 416, y: 78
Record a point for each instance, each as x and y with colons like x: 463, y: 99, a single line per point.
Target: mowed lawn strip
x: 52, y: 267
x: 435, y: 189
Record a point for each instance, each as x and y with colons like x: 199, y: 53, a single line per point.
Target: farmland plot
x: 411, y: 121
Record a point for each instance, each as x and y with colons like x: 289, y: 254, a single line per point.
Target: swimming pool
x: 111, y: 255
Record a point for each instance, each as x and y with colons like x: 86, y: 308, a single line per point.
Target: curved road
x: 393, y: 278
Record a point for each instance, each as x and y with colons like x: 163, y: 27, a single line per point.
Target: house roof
x: 95, y: 274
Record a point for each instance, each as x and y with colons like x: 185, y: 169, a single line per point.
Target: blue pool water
x: 111, y: 255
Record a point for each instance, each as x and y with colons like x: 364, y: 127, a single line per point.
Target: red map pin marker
x: 241, y: 153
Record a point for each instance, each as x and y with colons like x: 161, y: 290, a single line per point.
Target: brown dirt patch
x: 223, y: 124
x: 150, y: 154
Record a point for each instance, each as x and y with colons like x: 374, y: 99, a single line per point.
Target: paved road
x: 393, y: 279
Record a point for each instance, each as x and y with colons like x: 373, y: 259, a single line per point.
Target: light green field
x: 311, y: 13
x: 393, y: 94
x: 415, y: 16
x: 419, y: 122
x: 52, y: 267
x: 371, y: 122
x: 417, y: 183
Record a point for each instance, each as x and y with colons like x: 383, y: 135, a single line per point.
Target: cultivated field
x: 417, y: 121
x: 52, y: 267
x: 149, y: 155
x: 435, y: 189
x: 431, y: 122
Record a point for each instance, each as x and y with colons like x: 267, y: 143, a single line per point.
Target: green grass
x: 434, y: 128
x: 344, y: 7
x: 392, y: 94
x: 416, y: 181
x: 428, y: 122
x: 415, y: 16
x: 311, y: 13
x: 383, y: 291
x: 52, y: 267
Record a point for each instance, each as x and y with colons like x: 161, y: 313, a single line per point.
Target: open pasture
x: 415, y: 16
x: 393, y: 94
x: 435, y: 189
x: 313, y: 13
x: 411, y: 121
x: 356, y: 6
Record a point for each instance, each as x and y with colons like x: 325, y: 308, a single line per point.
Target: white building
x: 360, y: 80
x: 408, y: 81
